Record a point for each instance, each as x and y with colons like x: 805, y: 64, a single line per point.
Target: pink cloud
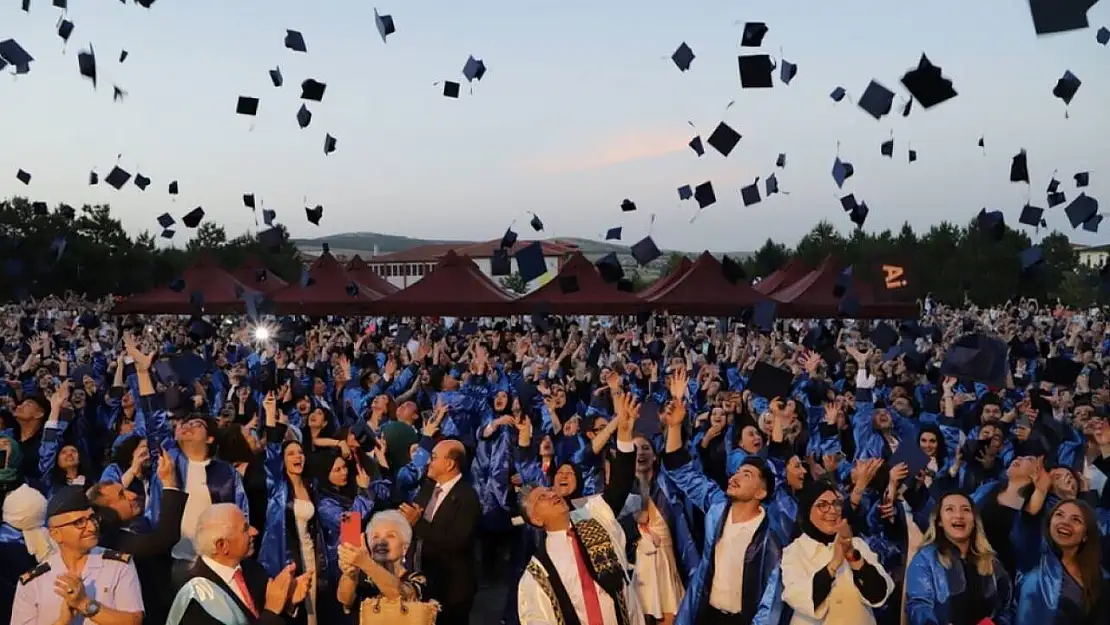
x: 633, y: 145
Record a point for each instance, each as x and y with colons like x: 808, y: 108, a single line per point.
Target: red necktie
x: 589, y: 589
x: 241, y: 582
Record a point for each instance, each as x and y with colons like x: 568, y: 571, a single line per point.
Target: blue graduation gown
x: 930, y: 586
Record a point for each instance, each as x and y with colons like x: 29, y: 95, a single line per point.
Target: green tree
x: 514, y: 283
x: 639, y: 282
x: 674, y: 260
x: 210, y: 236
x: 767, y: 259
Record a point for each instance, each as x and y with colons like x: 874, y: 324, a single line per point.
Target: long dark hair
x: 1089, y: 553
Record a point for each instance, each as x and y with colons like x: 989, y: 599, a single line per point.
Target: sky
x: 581, y: 107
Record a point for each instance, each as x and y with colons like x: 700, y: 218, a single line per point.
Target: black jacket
x: 447, y: 559
x: 256, y: 582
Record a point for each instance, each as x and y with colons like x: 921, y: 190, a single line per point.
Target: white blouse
x: 802, y: 559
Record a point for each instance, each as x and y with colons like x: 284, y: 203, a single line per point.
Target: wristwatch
x: 91, y: 609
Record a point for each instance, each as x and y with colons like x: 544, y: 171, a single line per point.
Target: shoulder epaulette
x: 118, y: 556
x: 38, y: 571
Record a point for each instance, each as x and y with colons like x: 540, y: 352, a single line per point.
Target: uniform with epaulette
x: 110, y: 580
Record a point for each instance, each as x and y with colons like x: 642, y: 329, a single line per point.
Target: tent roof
x: 247, y: 273
x: 456, y: 287
x: 657, y: 286
x: 364, y: 274
x: 704, y: 290
x: 220, y: 291
x: 327, y: 294
x: 593, y: 297
x: 812, y: 296
x: 783, y: 277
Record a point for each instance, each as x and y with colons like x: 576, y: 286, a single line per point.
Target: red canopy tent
x: 364, y: 274
x: 456, y: 287
x: 219, y: 291
x: 812, y: 296
x: 704, y: 290
x: 593, y: 297
x: 249, y: 271
x: 327, y: 294
x: 783, y: 277
x: 667, y: 280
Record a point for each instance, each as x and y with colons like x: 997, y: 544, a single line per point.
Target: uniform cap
x: 530, y: 262
x: 613, y: 234
x: 66, y: 500
x: 859, y: 214
x: 1032, y: 216
x: 753, y: 34
x: 696, y: 146
x: 838, y: 94
x: 876, y: 100
x: 295, y: 41
x: 173, y: 188
x: 704, y: 194
x: 1092, y: 224
x: 1081, y: 210
x: 992, y: 224
x: 329, y: 144
x: 23, y: 177
x: 500, y: 265
x: 841, y: 172
x: 450, y: 89
x: 65, y: 29
x: 14, y: 54
x: 248, y: 200
x: 732, y: 270
x: 508, y: 240
x: 117, y: 178
x: 645, y: 251
x: 927, y: 85
x: 772, y: 185
x: 750, y: 194
x: 304, y: 117
x: 609, y: 266
x: 1082, y: 179
x: 270, y: 239
x: 1066, y: 87
x: 93, y: 178
x: 474, y: 69
x: 1058, y: 16
x: 685, y: 192
x: 536, y: 223
x: 1019, y: 168
x: 887, y: 148
x: 276, y: 77
x: 268, y: 216
x: 755, y: 71
x: 142, y: 182
x: 1103, y: 35
x: 724, y: 139
x: 122, y: 56
x: 193, y: 217
x: 247, y: 106
x: 1053, y: 185
x: 780, y: 161
x: 312, y: 89
x: 683, y: 57
x: 385, y: 25
x: 1056, y: 199
x: 627, y: 206
x: 787, y: 71
x: 314, y: 214
x: 166, y: 220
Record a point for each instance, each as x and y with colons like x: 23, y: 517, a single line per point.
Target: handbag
x: 380, y: 611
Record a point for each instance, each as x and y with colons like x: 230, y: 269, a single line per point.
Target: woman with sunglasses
x: 955, y: 578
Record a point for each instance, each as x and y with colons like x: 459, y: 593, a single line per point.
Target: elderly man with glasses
x: 79, y: 583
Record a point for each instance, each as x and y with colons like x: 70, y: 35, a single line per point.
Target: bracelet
x: 852, y: 556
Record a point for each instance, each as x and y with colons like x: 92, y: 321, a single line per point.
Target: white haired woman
x: 376, y: 567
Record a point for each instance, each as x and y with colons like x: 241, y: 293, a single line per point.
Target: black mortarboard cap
x: 117, y: 93
x: 385, y: 25
x: 992, y: 224
x: 912, y: 155
x: 192, y: 219
x: 732, y: 270
x: 569, y: 284
x: 1103, y: 35
x: 907, y: 107
x: 876, y: 100
x: 276, y: 77
x: 1082, y: 179
x: 772, y: 185
x: 645, y: 251
x: 627, y: 206
x: 848, y: 202
x: 750, y: 194
x: 500, y: 265
x: 1053, y: 185
x: 268, y: 216
x: 770, y: 381
x: 838, y: 94
x: 859, y: 214
x: 312, y: 89
x: 27, y: 6
x: 304, y: 117
x: 295, y: 41
x: 168, y: 233
x: 724, y: 139
x: 927, y: 85
x: 883, y: 336
x: 117, y: 178
x: 1062, y: 371
x: 1030, y: 257
x: 248, y: 200
x: 14, y: 54
x: 536, y: 223
x: 753, y: 34
x: 509, y: 239
x: 755, y: 71
x: 166, y: 220
x: 1019, y: 168
x: 61, y: 4
x: 247, y: 106
x: 65, y: 29
x: 93, y: 178
x: 696, y: 146
x: 979, y: 358
x: 1092, y: 224
x: 685, y: 192
x: 450, y: 89
x: 173, y: 188
x: 270, y: 239
x: 763, y: 315
x: 88, y: 321
x: 887, y: 148
x: 329, y: 144
x: 1056, y: 199
x: 780, y: 161
x: 142, y: 182
x: 704, y: 195
x: 122, y: 56
x: 609, y: 266
x: 529, y: 261
x: 1058, y: 16
x: 66, y: 500
x: 683, y: 57
x: 1032, y: 216
x: 1081, y: 209
x: 841, y: 171
x: 1066, y: 87
x: 314, y: 214
x: 23, y: 177
x: 787, y: 71
x: 613, y: 234
x: 474, y: 69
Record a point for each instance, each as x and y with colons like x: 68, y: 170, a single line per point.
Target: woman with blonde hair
x: 956, y: 578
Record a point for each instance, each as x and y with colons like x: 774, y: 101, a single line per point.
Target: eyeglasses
x: 828, y: 506
x: 80, y: 524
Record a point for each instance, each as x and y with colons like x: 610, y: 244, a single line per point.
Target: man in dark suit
x: 444, y: 517
x: 121, y: 529
x: 226, y: 583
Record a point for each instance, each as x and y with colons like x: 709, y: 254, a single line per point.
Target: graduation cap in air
x: 385, y: 25
x: 1053, y: 185
x: 168, y: 233
x: 763, y: 315
x: 887, y: 148
x: 907, y: 107
x: 841, y: 171
x: 883, y: 336
x: 315, y: 214
x: 268, y: 216
x: 117, y: 178
x: 93, y: 178
x: 848, y: 202
x: 724, y: 139
x: 912, y: 155
x: 1063, y: 371
x: 1082, y: 179
x: 329, y: 144
x: 474, y: 69
x: 755, y: 71
x: 1066, y: 87
x: 627, y: 206
x: 645, y: 251
x: 1103, y: 35
x: 787, y: 71
x: 753, y: 34
x: 86, y: 64
x: 142, y: 182
x: 173, y: 188
x: 500, y: 265
x: 61, y: 4
x: 1056, y: 199
x: 750, y: 194
x: 609, y: 266
x: 529, y: 261
x: 683, y: 57
x: 23, y: 177
x: 118, y: 94
x: 14, y: 54
x: 508, y: 240
x: 770, y: 381
x: 838, y: 94
x: 304, y: 117
x: 122, y: 56
x: 927, y: 85
x: 536, y: 223
x: 1092, y: 224
x: 146, y: 4
x: 295, y: 41
x: 1081, y: 210
x: 247, y: 106
x: 450, y: 89
x: 876, y: 100
x: 193, y: 217
x: 979, y: 358
x: 843, y: 281
x: 992, y: 224
x: 696, y: 146
x: 613, y: 234
x: 780, y: 161
x: 704, y: 194
x: 772, y: 185
x: 313, y: 90
x: 1030, y: 259
x: 859, y: 214
x: 166, y: 220
x: 270, y: 239
x: 685, y: 192
x: 276, y: 77
x: 1019, y: 168
x: 732, y: 270
x: 1032, y: 216
x: 1058, y: 16
x: 65, y: 29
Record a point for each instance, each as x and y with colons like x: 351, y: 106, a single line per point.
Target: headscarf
x: 25, y: 510
x: 806, y: 502
x: 9, y: 473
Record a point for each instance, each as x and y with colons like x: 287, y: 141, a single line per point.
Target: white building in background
x: 1094, y: 256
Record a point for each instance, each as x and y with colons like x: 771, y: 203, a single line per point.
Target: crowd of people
x: 947, y: 470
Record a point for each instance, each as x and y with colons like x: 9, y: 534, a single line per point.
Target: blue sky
x: 581, y: 107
